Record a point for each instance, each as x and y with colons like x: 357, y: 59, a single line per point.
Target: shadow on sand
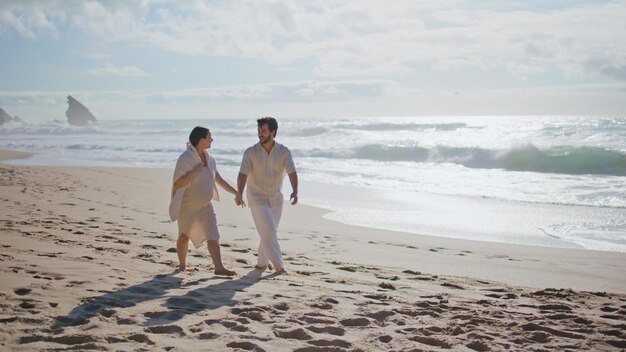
x: 202, y: 298
x: 208, y: 297
x: 124, y: 298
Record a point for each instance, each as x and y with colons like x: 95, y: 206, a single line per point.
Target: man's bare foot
x: 263, y: 267
x: 280, y: 271
x: 181, y: 268
x: 224, y: 272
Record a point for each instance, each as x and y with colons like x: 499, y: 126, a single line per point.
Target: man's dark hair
x: 271, y: 122
x: 197, y: 134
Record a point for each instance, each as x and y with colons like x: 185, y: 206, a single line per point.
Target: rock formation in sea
x: 77, y: 114
x: 5, y: 117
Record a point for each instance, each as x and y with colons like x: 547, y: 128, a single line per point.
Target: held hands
x: 239, y: 200
x: 294, y: 198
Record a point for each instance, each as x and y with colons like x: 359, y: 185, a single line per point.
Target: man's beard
x: 264, y: 139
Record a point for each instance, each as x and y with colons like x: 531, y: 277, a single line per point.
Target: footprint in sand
x: 332, y: 330
x: 163, y: 315
x: 107, y: 313
x: 504, y: 296
x: 478, y: 346
x: 22, y: 291
x: 551, y: 331
x: 27, y: 305
x: 256, y: 316
x: 347, y: 268
x: 446, y: 284
x: 380, y: 316
x: 437, y: 249
x: 297, y: 334
x: 65, y: 340
x: 324, y: 306
x: 282, y: 306
x: 316, y: 320
x: 207, y: 336
x: 243, y: 320
x: 5, y: 319
x: 125, y: 321
x: 166, y: 329
x: 331, y: 343
x: 141, y: 338
x: 609, y: 309
x: 355, y: 322
x: 431, y: 341
x: 386, y: 286
x: 384, y: 277
x: 245, y: 345
x: 385, y: 338
x: 556, y: 307
x: 50, y: 255
x: 617, y: 343
x: 378, y: 297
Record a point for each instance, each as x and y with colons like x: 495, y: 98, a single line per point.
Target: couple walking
x: 263, y: 169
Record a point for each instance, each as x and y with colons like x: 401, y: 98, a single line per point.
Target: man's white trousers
x: 266, y: 220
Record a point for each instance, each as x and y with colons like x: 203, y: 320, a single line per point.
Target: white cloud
x: 120, y: 71
x: 305, y: 91
x: 363, y: 98
x: 370, y: 56
x: 29, y: 19
x: 366, y: 38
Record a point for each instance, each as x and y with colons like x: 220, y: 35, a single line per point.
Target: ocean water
x: 537, y: 180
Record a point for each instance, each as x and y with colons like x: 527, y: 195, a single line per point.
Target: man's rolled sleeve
x: 246, y: 163
x: 290, y: 166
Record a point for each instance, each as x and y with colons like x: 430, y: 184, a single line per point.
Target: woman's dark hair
x: 197, y: 134
x: 271, y: 122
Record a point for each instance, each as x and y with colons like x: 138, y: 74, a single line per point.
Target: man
x: 193, y: 189
x: 263, y: 168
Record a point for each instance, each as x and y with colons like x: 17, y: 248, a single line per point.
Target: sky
x: 159, y: 59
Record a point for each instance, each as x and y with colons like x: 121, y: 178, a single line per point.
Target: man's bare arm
x: 293, y: 179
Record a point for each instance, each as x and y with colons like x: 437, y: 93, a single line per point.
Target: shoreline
x: 6, y: 154
x: 88, y: 262
x: 337, y: 216
x: 472, y: 256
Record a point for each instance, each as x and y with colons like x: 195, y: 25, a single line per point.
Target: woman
x: 193, y: 190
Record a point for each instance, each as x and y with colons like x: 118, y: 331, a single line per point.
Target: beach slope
x: 87, y: 261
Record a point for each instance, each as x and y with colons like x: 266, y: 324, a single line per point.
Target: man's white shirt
x: 266, y: 173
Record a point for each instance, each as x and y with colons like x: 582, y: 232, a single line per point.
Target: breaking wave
x: 384, y: 126
x: 559, y: 160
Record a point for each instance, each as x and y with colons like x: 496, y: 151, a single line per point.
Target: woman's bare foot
x: 224, y: 272
x: 181, y: 268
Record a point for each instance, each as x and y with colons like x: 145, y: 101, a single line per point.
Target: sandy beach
x: 87, y: 262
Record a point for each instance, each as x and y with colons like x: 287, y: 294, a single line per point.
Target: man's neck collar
x: 270, y: 147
